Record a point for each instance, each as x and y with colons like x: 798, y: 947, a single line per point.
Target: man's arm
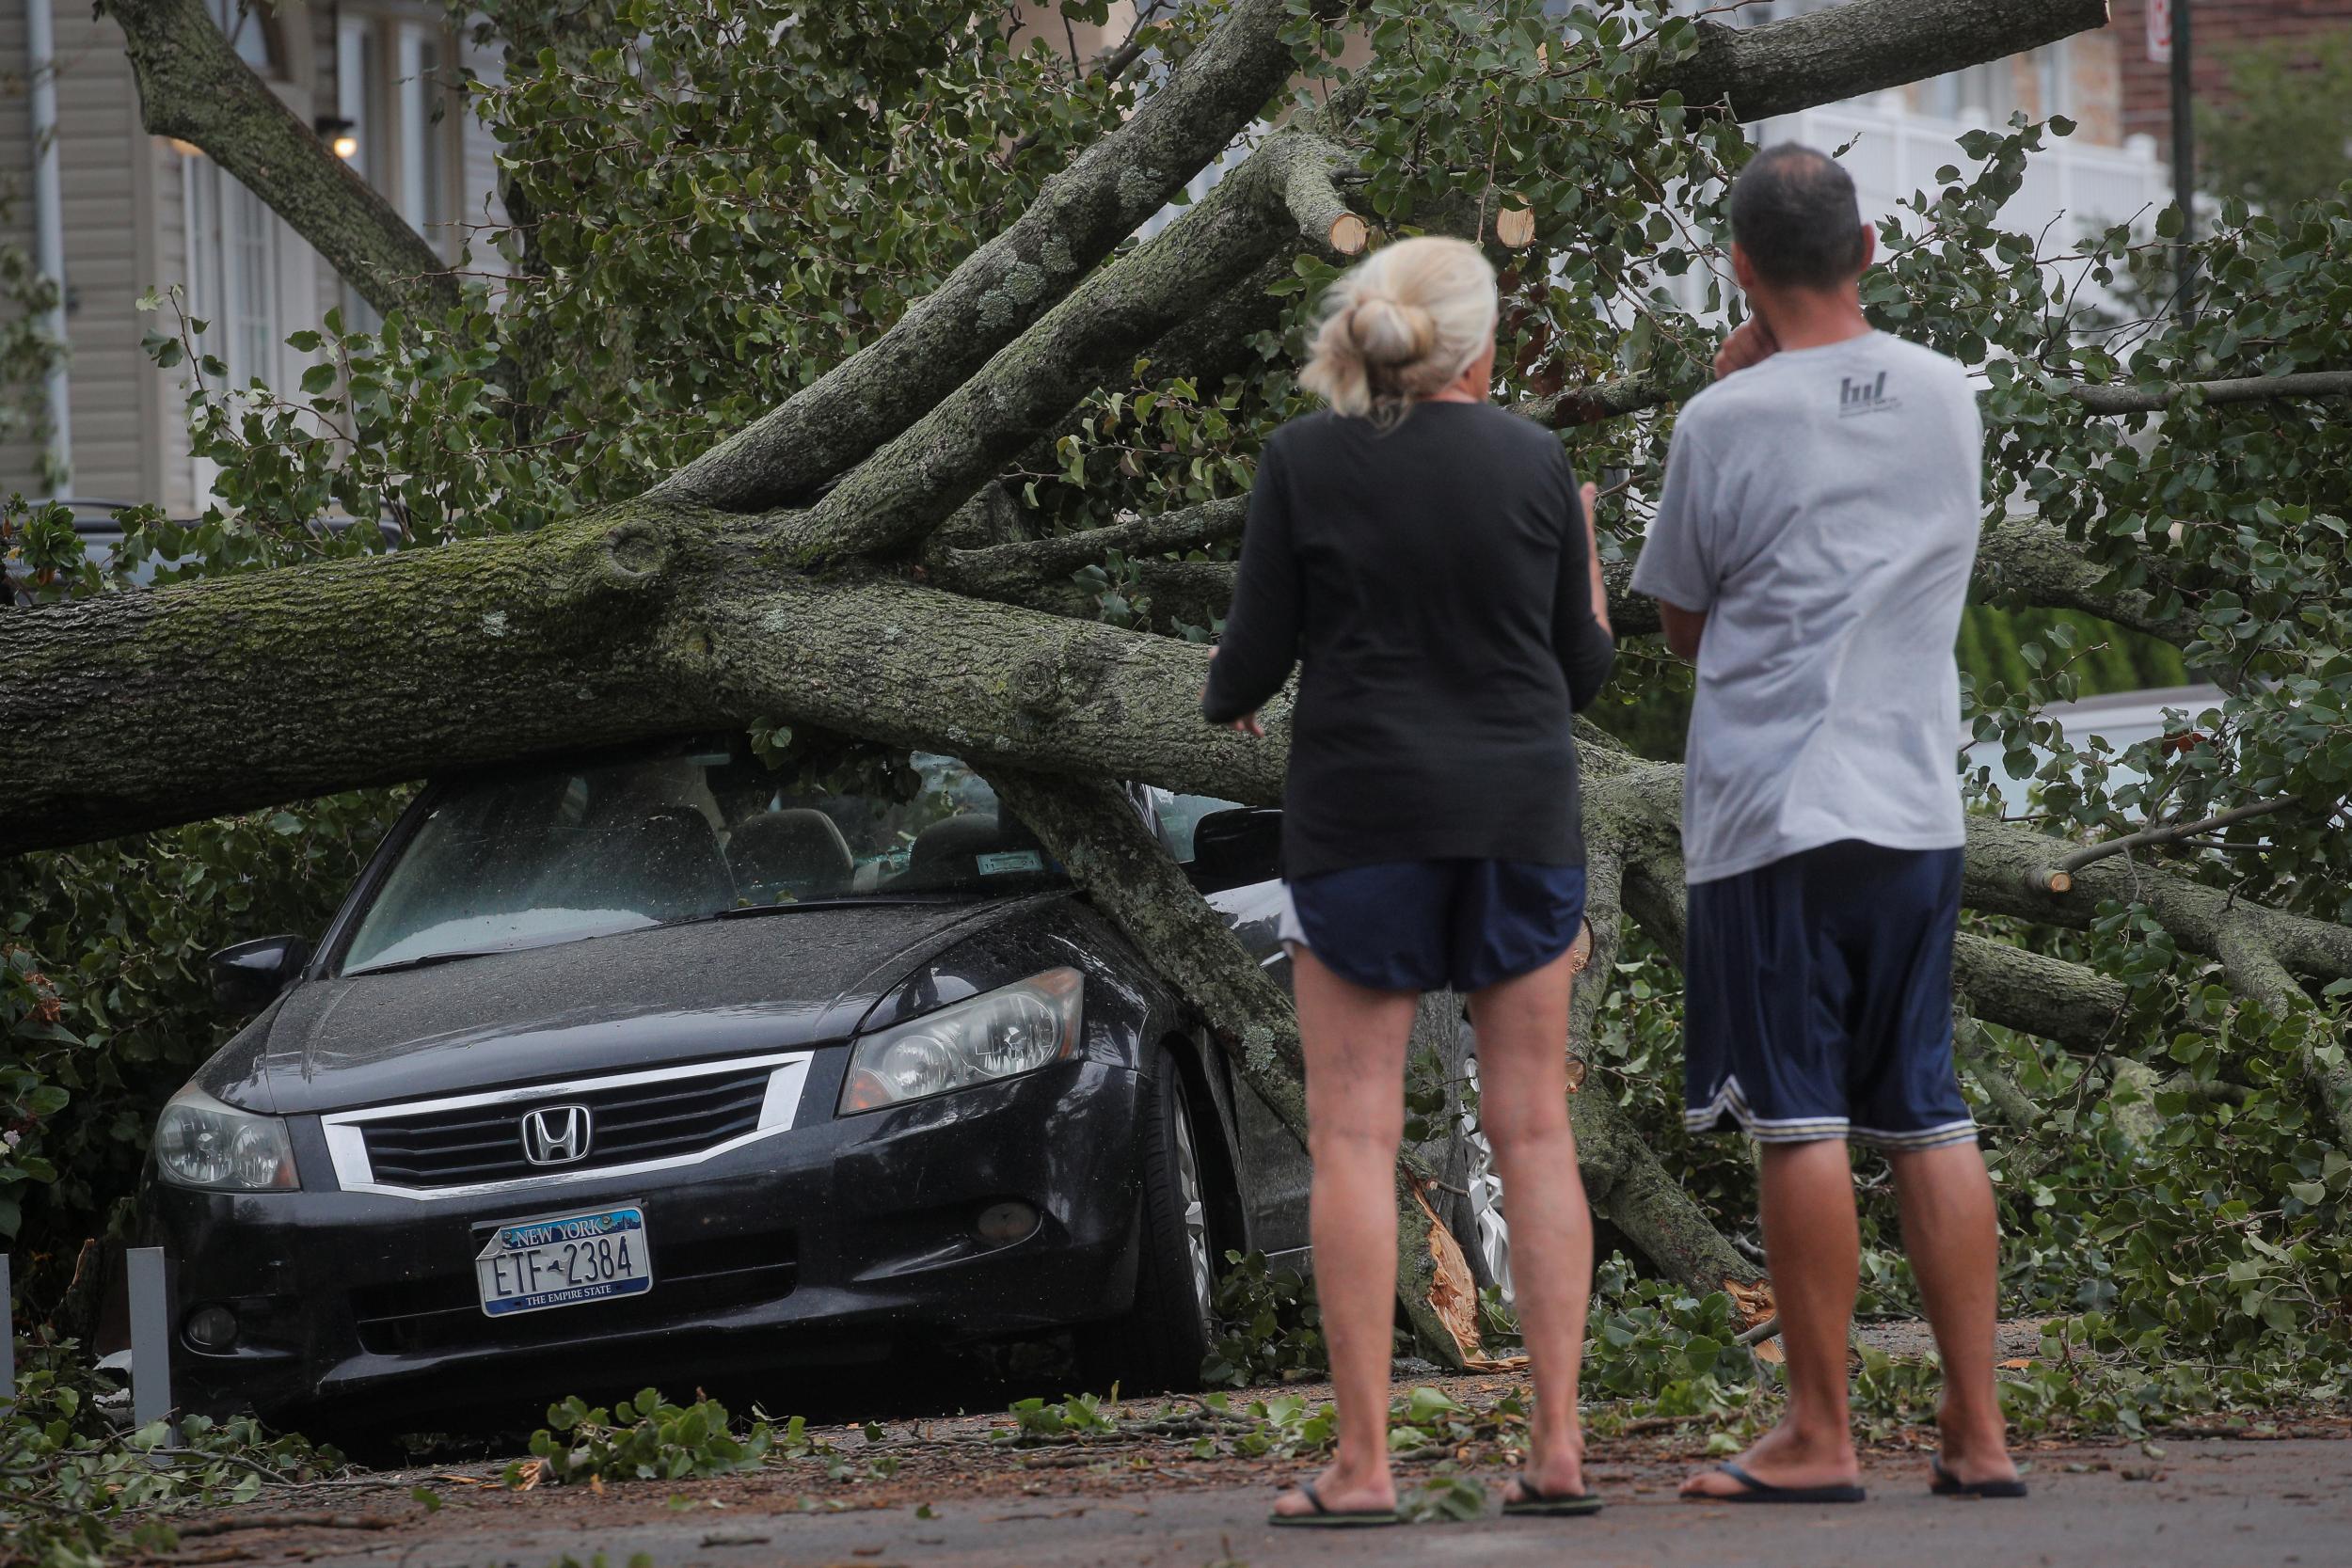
x: 1684, y: 627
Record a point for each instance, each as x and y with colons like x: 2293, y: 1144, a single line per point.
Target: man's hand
x: 1752, y: 345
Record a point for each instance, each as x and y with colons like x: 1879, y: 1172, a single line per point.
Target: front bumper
x: 836, y: 1243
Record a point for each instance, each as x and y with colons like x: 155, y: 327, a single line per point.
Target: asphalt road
x: 2206, y: 1503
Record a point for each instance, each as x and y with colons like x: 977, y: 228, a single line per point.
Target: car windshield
x: 526, y: 857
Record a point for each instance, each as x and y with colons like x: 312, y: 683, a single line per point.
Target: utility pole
x: 2184, y: 158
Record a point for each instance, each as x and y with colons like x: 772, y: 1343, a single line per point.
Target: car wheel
x: 1488, y: 1242
x: 1160, y: 1344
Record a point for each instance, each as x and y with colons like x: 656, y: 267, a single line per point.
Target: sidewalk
x: 2211, y: 1503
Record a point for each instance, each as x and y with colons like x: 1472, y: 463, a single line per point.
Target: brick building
x: 2217, y: 30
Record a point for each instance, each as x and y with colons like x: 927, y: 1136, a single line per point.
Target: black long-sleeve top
x: 1433, y: 583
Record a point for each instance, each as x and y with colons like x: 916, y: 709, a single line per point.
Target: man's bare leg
x: 1522, y: 1029
x: 1354, y: 1040
x: 1954, y: 1245
x: 1814, y: 1248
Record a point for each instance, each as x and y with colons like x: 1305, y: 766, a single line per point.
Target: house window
x: 2053, y: 81
x: 395, y: 83
x: 251, y: 32
x: 359, y: 101
x: 1983, y: 94
x: 423, y: 172
x: 234, y: 240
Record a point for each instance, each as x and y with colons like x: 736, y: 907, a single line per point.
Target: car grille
x: 627, y: 1124
x: 443, y: 1312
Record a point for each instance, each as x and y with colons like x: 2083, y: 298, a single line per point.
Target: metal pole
x: 2183, y: 157
x: 7, y: 1336
x: 151, y: 1335
x: 40, y: 59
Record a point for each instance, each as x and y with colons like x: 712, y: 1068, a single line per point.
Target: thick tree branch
x: 2023, y: 561
x: 2119, y: 398
x: 1014, y: 572
x: 909, y: 486
x: 1844, y: 51
x: 2004, y: 877
x: 1009, y: 283
x: 639, y: 621
x: 2033, y: 993
x: 192, y: 86
x: 1601, y: 400
x: 2020, y: 561
x: 1310, y: 191
x: 2251, y: 963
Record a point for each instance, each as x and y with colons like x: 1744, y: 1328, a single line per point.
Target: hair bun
x: 1389, y: 332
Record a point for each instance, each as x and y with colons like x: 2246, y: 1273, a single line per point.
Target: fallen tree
x: 884, y: 550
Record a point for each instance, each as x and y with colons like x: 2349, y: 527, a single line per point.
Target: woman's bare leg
x: 1354, y: 1040
x: 1522, y: 1030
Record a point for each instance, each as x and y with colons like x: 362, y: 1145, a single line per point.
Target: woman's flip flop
x: 1534, y: 1502
x: 1754, y: 1491
x: 1320, y: 1517
x: 1946, y: 1484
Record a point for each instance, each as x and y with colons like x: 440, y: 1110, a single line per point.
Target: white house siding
x: 101, y: 152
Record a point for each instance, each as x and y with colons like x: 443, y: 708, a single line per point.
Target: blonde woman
x: 1428, y: 560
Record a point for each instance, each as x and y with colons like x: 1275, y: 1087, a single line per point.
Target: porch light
x: 338, y: 134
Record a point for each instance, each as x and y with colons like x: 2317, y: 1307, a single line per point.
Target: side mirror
x: 1236, y: 848
x: 248, y: 977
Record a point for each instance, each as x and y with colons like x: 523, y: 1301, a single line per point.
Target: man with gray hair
x: 1812, y: 552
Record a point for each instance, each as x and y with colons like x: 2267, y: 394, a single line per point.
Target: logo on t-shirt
x: 1864, y: 397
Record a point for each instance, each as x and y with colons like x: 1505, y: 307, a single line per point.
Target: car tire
x: 1159, y: 1346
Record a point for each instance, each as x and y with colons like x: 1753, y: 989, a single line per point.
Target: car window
x: 526, y: 857
x: 1177, y: 815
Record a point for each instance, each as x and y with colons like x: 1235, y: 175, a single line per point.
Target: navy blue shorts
x: 1820, y: 999
x: 1459, y: 924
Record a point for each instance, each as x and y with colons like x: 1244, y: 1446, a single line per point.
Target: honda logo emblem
x: 556, y: 1135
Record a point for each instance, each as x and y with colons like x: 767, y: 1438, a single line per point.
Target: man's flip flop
x: 1320, y: 1517
x: 1754, y: 1491
x: 1946, y: 1484
x: 1534, y: 1502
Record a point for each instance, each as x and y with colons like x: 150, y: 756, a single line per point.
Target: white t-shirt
x: 1823, y: 508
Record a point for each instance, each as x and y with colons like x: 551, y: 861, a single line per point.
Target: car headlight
x: 202, y: 1143
x: 1014, y: 1029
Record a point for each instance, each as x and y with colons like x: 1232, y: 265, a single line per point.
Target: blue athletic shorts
x: 1820, y: 999
x: 1458, y: 924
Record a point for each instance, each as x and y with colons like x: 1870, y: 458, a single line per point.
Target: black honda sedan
x: 655, y: 1066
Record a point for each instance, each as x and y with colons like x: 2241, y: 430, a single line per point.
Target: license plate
x: 564, y: 1260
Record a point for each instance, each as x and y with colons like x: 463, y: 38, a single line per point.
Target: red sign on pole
x: 2159, y: 32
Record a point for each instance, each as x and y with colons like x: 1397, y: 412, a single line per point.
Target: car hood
x: 670, y: 993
